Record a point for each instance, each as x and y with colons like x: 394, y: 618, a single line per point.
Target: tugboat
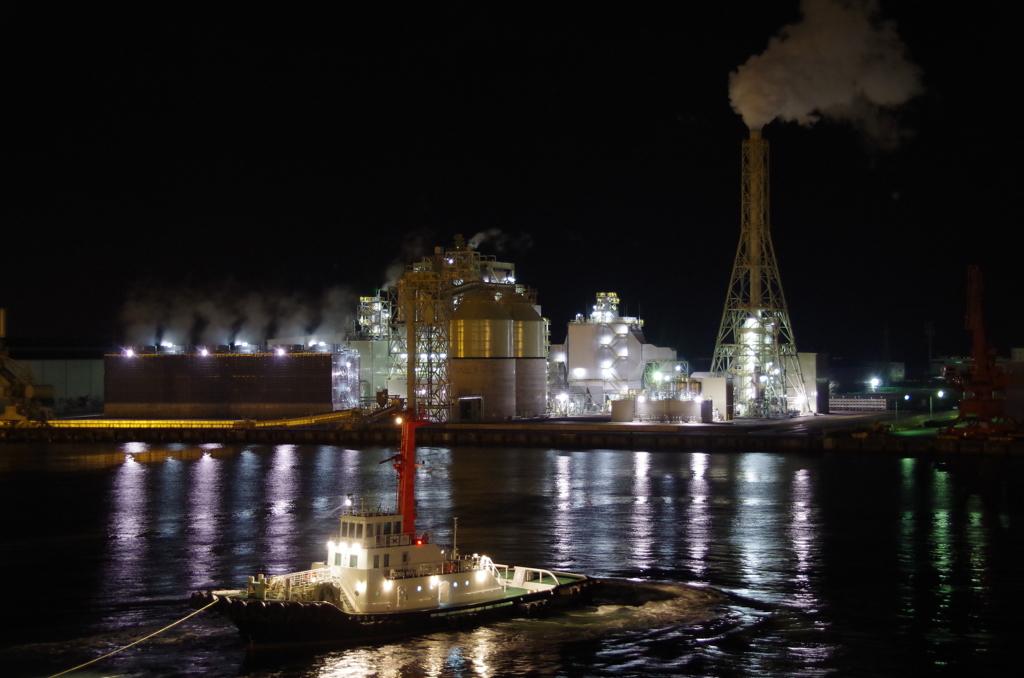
x: 381, y: 580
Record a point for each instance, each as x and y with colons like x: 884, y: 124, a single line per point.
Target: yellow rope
x: 91, y: 661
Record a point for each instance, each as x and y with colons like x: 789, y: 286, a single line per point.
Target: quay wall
x: 582, y: 436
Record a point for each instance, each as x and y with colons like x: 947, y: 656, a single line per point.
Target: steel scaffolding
x: 755, y: 341
x: 427, y: 295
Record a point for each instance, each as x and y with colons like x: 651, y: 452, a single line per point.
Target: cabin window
x: 380, y: 528
x: 387, y: 560
x: 337, y: 559
x: 376, y: 562
x: 344, y: 529
x: 405, y: 557
x: 398, y: 527
x: 359, y: 531
x: 387, y: 528
x: 353, y: 560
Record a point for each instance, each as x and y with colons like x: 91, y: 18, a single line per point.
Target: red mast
x: 405, y: 464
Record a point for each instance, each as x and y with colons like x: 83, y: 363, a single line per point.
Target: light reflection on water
x: 827, y: 563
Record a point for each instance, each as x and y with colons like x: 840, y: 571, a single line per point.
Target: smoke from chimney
x: 502, y: 242
x: 841, y: 63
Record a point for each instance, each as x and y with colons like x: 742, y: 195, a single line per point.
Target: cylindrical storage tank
x: 529, y: 351
x: 481, y: 363
x: 480, y: 328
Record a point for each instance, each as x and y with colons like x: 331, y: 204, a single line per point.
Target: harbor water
x: 721, y: 564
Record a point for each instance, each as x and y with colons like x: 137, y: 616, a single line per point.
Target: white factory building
x: 604, y: 358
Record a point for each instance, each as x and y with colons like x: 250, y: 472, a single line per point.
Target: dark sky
x: 209, y: 148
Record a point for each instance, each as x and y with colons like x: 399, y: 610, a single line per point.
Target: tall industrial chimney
x: 755, y: 341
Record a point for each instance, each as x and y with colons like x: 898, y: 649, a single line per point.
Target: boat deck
x: 512, y: 591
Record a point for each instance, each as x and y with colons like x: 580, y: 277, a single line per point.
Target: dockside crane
x: 983, y: 384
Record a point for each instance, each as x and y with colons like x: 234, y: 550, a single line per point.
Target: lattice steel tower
x: 755, y: 341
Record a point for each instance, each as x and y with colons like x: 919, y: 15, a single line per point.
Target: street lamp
x: 906, y: 397
x: 940, y: 394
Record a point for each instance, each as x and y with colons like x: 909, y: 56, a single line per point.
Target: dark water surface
x: 803, y: 565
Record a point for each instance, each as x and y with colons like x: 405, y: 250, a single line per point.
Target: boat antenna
x: 455, y: 538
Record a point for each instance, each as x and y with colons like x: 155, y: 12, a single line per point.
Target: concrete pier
x: 794, y: 435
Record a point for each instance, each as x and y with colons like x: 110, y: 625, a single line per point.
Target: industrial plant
x: 457, y: 338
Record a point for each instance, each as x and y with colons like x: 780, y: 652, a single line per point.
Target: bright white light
x: 480, y: 576
x: 641, y: 399
x: 204, y: 352
x: 657, y: 376
x: 579, y: 372
x: 699, y: 399
x: 942, y: 394
x: 398, y: 420
x: 322, y: 344
x: 280, y: 351
x: 875, y: 382
x: 129, y: 352
x: 330, y: 546
x: 361, y: 586
x: 906, y: 397
x: 387, y: 584
x: 606, y: 364
x: 562, y: 397
x: 244, y: 344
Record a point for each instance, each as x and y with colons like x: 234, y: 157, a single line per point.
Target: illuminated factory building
x: 604, y: 359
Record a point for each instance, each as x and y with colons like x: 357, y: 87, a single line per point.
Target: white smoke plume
x: 841, y: 62
x: 483, y: 236
x: 226, y: 314
x: 501, y: 241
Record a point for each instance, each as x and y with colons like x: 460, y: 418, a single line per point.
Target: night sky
x: 201, y: 151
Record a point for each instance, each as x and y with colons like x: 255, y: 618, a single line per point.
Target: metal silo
x: 482, y: 370
x: 530, y: 352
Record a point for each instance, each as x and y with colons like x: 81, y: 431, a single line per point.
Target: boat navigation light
x: 398, y: 420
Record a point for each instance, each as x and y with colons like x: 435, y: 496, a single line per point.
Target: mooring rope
x: 92, y: 661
